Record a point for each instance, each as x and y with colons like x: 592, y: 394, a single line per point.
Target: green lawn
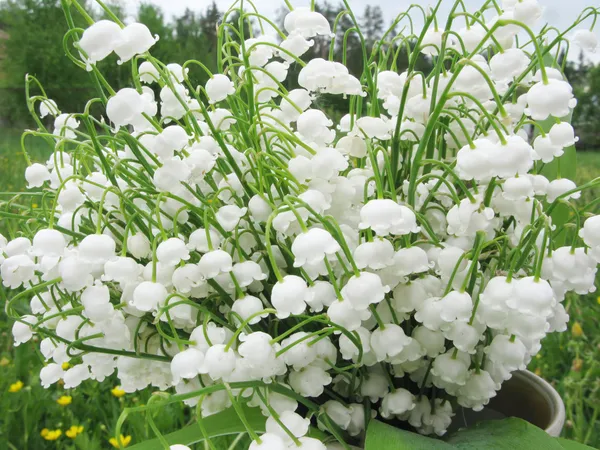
x: 571, y: 360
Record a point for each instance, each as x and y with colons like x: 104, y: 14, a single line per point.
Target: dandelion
x: 122, y: 442
x: 74, y: 431
x: 117, y: 392
x: 51, y: 435
x: 65, y: 400
x: 16, y: 387
x: 576, y: 330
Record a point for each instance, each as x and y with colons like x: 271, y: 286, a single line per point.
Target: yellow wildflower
x: 35, y: 205
x: 577, y: 330
x: 51, y: 435
x: 577, y: 365
x: 64, y: 400
x: 65, y: 365
x: 74, y: 431
x: 123, y: 440
x: 44, y: 432
x: 15, y: 387
x: 4, y: 361
x: 538, y: 371
x: 117, y: 391
x: 598, y: 299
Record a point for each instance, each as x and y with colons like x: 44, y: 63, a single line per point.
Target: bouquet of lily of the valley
x: 241, y: 246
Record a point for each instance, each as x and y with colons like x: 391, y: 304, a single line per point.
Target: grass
x: 570, y: 361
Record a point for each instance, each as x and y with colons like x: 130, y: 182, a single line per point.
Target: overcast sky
x: 560, y: 13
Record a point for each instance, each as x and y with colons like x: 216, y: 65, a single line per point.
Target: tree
x: 36, y: 29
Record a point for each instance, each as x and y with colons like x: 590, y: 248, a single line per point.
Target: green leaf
x: 572, y: 445
x: 381, y: 436
x: 221, y: 424
x: 506, y: 434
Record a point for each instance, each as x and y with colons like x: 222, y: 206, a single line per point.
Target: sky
x: 559, y: 13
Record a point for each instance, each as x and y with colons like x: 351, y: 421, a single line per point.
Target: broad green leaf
x: 506, y: 434
x: 381, y: 436
x: 221, y: 424
x: 572, y: 445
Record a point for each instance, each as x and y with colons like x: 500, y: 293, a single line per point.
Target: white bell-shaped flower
x: 562, y: 135
x: 125, y: 107
x: 22, y: 331
x: 148, y: 72
x: 215, y: 262
x: 219, y: 362
x: 309, y: 381
x: 552, y: 99
x: 452, y: 367
x: 374, y: 255
x: 477, y: 391
x: 398, y: 402
x: 545, y: 149
x: 295, y: 44
x: 289, y: 296
x: 388, y: 341
x: 187, y: 364
x: 507, y: 352
x: 386, y: 217
x: 364, y: 290
x: 509, y: 64
x: 99, y: 40
x: 218, y: 88
x: 314, y: 125
x: 433, y: 342
x: 148, y: 296
x: 97, y: 248
x: 76, y: 375
x: 590, y: 233
x: 47, y: 242
x: 559, y: 187
x: 269, y: 441
x: 527, y: 11
x: 586, y: 40
x: 259, y: 209
x: 319, y: 295
x: 64, y: 125
x: 248, y: 306
x: 294, y: 422
x: 135, y: 39
x: 17, y: 270
x: 456, y: 306
x: 50, y: 374
x: 344, y: 314
x: 139, y: 245
x: 198, y: 240
x: 172, y: 251
x: 306, y: 23
x: 312, y: 246
x: 229, y: 216
x: 96, y: 302
x: 411, y: 260
x: 36, y: 175
x: 464, y: 336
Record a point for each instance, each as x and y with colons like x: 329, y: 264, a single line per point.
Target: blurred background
x: 31, y: 36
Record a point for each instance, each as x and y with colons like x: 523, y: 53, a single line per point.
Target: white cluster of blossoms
x: 238, y: 244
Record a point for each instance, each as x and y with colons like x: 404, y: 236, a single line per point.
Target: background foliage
x: 33, y: 31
